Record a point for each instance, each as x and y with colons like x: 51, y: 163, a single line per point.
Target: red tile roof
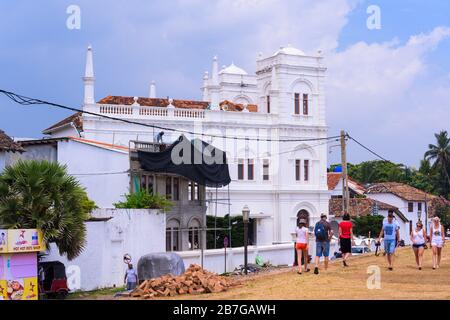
x: 154, y: 102
x: 76, y: 118
x: 401, y: 190
x: 230, y: 106
x: 8, y: 144
x: 333, y: 180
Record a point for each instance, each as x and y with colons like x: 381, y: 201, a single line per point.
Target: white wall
x: 214, y: 259
x: 89, y: 163
x: 136, y: 232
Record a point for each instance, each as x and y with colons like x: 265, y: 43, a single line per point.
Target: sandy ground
x: 404, y: 282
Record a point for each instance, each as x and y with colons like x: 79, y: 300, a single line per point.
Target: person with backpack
x: 345, y: 237
x: 323, y: 234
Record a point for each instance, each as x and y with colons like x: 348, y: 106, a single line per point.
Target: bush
x: 144, y: 200
x: 363, y: 225
x: 237, y: 231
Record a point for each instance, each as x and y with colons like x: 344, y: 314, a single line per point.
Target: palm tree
x: 440, y: 153
x: 40, y: 194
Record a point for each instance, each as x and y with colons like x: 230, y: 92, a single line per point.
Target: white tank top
x: 418, y: 237
x: 437, y: 232
x: 301, y: 234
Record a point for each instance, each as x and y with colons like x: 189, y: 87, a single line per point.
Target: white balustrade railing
x: 189, y: 113
x: 153, y: 111
x: 115, y: 109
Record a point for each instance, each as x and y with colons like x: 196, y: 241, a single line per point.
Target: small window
x: 176, y: 189
x: 268, y: 103
x: 419, y: 206
x: 306, y: 169
x: 172, y: 239
x: 305, y: 104
x: 297, y: 103
x: 297, y: 170
x: 250, y: 169
x: 410, y: 206
x: 169, y: 188
x: 266, y: 169
x: 240, y: 169
x: 194, y: 238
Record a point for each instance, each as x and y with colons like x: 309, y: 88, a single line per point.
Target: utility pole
x: 345, y: 194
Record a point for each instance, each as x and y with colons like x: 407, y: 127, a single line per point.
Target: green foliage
x: 443, y: 212
x: 365, y: 224
x: 144, y: 200
x: 40, y: 194
x: 237, y: 231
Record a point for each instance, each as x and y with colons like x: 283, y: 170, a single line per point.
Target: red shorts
x: 301, y: 246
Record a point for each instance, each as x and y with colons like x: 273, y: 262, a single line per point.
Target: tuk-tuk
x: 53, y: 279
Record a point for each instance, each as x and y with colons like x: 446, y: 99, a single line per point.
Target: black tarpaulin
x: 195, y: 160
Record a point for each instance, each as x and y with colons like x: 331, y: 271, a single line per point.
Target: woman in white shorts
x: 437, y: 240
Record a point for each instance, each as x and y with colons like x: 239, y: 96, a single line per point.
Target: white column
x: 89, y: 79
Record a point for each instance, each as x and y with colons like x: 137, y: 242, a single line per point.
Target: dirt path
x: 405, y: 282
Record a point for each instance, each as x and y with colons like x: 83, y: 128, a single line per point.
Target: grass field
x: 404, y: 282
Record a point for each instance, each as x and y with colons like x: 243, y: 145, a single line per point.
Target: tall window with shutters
x: 268, y: 103
x: 266, y: 169
x: 297, y: 170
x: 240, y: 169
x: 305, y: 104
x: 250, y: 169
x: 296, y: 103
x: 306, y: 170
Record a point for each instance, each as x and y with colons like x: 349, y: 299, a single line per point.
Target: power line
x: 23, y: 100
x: 368, y: 149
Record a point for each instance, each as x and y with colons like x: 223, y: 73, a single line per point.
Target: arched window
x: 173, y: 235
x: 303, y: 214
x: 194, y: 234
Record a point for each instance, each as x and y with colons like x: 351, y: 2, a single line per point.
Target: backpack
x: 320, y: 232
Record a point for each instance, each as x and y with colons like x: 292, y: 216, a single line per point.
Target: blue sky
x: 390, y: 88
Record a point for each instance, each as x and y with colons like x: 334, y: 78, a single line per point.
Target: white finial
x: 206, y: 75
x: 259, y: 56
x: 88, y: 78
x: 171, y: 106
x: 319, y: 52
x: 152, y: 89
x: 215, y: 71
x: 135, y: 103
x: 245, y: 108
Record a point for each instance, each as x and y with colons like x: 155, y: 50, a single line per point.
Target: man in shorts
x: 323, y: 234
x: 391, y: 235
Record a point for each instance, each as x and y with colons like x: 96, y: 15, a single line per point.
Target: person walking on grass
x: 437, y: 240
x: 302, y: 245
x: 391, y: 235
x: 131, y: 277
x: 418, y: 239
x: 345, y: 237
x: 323, y: 234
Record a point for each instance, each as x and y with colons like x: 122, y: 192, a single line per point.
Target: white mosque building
x: 283, y: 100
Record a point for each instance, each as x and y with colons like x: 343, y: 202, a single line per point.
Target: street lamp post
x: 245, y: 217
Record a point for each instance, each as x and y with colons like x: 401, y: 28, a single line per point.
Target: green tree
x: 440, y: 154
x: 237, y: 231
x: 365, y: 224
x: 40, y: 194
